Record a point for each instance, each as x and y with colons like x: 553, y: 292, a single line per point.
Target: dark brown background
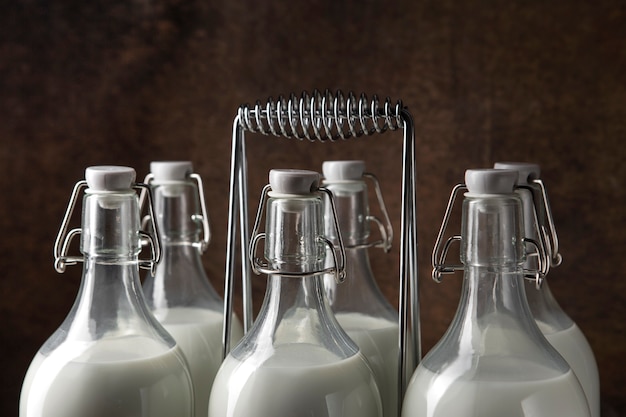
x: 127, y: 82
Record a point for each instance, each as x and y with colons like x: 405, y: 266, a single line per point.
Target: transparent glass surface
x: 554, y: 323
x: 110, y: 356
x: 493, y: 360
x: 359, y: 306
x: 292, y: 234
x: 295, y: 360
x: 180, y: 294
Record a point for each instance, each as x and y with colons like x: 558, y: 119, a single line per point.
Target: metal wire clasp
x: 386, y: 229
x: 552, y: 240
x: 261, y: 267
x: 439, y: 255
x: 202, y: 218
x: 440, y: 252
x: 64, y: 238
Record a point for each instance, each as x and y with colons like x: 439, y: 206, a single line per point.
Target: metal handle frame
x: 326, y: 117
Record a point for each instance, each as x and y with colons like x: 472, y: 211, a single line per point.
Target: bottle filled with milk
x: 493, y: 360
x: 295, y: 360
x: 179, y: 293
x: 560, y: 330
x: 110, y: 357
x: 359, y: 306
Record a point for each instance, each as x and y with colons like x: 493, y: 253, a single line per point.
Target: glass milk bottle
x: 179, y: 293
x: 110, y: 357
x: 295, y: 360
x: 554, y: 323
x: 359, y: 306
x: 493, y: 361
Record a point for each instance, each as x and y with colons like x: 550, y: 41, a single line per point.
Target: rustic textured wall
x: 127, y: 82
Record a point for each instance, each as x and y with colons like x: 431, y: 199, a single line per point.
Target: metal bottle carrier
x: 326, y: 117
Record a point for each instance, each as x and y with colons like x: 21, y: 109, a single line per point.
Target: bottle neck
x: 109, y: 291
x: 293, y: 234
x: 352, y: 207
x: 493, y: 318
x: 293, y: 245
x: 110, y: 300
x: 296, y: 310
x: 110, y: 227
x: 109, y: 304
x: 288, y: 295
x: 493, y: 254
x: 180, y: 280
x: 489, y: 292
x: 359, y: 292
x: 543, y: 305
x: 545, y: 308
x: 492, y: 231
x: 177, y: 208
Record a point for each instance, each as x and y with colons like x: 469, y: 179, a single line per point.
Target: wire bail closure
x: 64, y: 238
x: 440, y: 252
x: 261, y: 267
x: 202, y: 217
x: 385, y: 229
x: 552, y: 239
x: 384, y: 226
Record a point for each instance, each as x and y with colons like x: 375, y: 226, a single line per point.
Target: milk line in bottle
x: 179, y: 293
x: 493, y: 361
x: 110, y: 356
x: 560, y: 330
x: 295, y: 360
x: 359, y: 306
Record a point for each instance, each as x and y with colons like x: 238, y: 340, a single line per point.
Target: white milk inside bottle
x: 198, y: 333
x: 296, y: 377
x: 434, y: 395
x: 499, y: 384
x: 378, y: 341
x: 574, y: 347
x: 122, y: 377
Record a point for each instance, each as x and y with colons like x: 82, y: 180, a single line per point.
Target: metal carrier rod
x: 326, y: 117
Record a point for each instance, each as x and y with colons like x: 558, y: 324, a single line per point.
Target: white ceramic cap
x: 109, y: 178
x: 490, y: 181
x: 171, y: 170
x: 527, y: 171
x: 293, y: 181
x: 343, y: 170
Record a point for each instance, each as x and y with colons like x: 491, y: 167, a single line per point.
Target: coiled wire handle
x: 326, y: 117
x: 321, y: 116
